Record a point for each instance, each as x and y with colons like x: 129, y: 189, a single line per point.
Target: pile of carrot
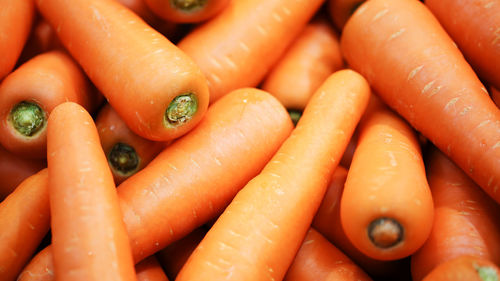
x: 156, y: 140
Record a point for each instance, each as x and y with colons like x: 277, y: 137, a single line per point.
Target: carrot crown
x: 188, y: 5
x: 486, y: 273
x: 181, y: 110
x: 385, y: 232
x: 27, y: 118
x: 123, y: 159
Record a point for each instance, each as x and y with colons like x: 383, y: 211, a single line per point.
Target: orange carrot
x: 155, y: 88
x: 31, y: 92
x: 88, y: 235
x: 475, y: 26
x: 417, y: 70
x: 16, y: 18
x: 341, y: 10
x: 127, y: 152
x: 238, y: 47
x: 150, y: 270
x: 317, y: 259
x: 465, y: 268
x: 386, y: 208
x: 495, y: 96
x: 259, y: 233
x: 24, y: 221
x: 186, y: 11
x: 40, y: 268
x: 310, y: 59
x: 349, y: 151
x: 43, y: 39
x: 465, y: 220
x: 141, y: 9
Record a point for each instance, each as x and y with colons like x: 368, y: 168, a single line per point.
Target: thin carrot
x: 88, y: 235
x: 465, y: 219
x: 127, y: 152
x: 416, y: 69
x: 309, y: 60
x: 31, y: 92
x: 16, y: 18
x: 157, y: 90
x: 24, y: 221
x: 40, y: 268
x: 475, y: 26
x: 238, y: 47
x: 259, y: 233
x: 495, y: 96
x: 465, y: 268
x: 186, y: 11
x: 317, y: 259
x: 341, y: 10
x: 150, y: 270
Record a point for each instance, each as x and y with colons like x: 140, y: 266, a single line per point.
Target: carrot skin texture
x: 168, y: 11
x: 465, y: 219
x: 435, y: 90
x: 309, y: 60
x: 465, y: 268
x: 475, y: 27
x: 89, y: 238
x: 150, y: 270
x: 139, y: 81
x: 24, y: 221
x: 40, y: 268
x: 259, y: 233
x: 240, y: 45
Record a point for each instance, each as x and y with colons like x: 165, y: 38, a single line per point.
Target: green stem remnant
x: 385, y: 232
x: 295, y: 115
x: 27, y: 118
x: 188, y: 5
x: 123, y: 159
x: 486, y: 273
x: 181, y: 110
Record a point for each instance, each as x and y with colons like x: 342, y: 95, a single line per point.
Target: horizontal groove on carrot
x: 27, y: 118
x: 181, y: 109
x: 385, y: 232
x: 123, y: 159
x: 189, y: 5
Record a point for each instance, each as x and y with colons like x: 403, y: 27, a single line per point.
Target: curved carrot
x: 465, y: 219
x: 157, y: 90
x: 150, y: 270
x: 186, y: 11
x: 127, y: 152
x: 416, y: 69
x: 31, y: 92
x: 259, y: 233
x: 238, y: 47
x: 40, y: 268
x: 317, y: 259
x: 88, y: 235
x: 309, y: 60
x: 16, y: 18
x: 24, y: 221
x: 465, y: 268
x: 386, y: 208
x: 495, y: 96
x: 475, y: 26
x: 341, y: 10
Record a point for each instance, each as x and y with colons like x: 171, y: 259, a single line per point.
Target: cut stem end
x: 385, y: 232
x: 181, y: 110
x: 188, y: 5
x: 486, y: 273
x: 123, y: 159
x: 295, y: 115
x: 27, y: 118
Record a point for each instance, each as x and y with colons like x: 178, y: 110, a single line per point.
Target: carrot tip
x: 123, y: 159
x: 27, y: 118
x: 295, y: 115
x: 385, y: 232
x: 486, y: 273
x: 188, y: 5
x: 180, y: 110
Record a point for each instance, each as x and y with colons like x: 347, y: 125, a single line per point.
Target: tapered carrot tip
x: 181, y: 110
x: 486, y: 273
x: 385, y: 232
x: 188, y: 5
x: 123, y: 159
x: 295, y: 115
x: 27, y: 118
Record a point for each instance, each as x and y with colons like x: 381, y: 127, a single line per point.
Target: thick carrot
x: 317, y: 259
x: 88, y: 235
x: 127, y: 152
x: 341, y: 10
x: 495, y: 96
x: 259, y: 233
x: 416, y: 69
x: 475, y: 26
x: 309, y: 60
x: 238, y: 47
x: 186, y: 11
x: 24, y: 221
x: 150, y: 270
x: 16, y: 18
x: 386, y: 207
x: 465, y: 219
x: 14, y: 169
x: 157, y: 90
x: 465, y: 268
x: 31, y: 92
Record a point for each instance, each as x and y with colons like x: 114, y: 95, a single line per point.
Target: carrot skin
x: 186, y: 11
x: 40, y: 268
x: 465, y: 268
x: 150, y: 270
x: 495, y: 96
x: 341, y: 10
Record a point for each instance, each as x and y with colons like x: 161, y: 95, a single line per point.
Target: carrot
x: 349, y: 151
x: 259, y: 233
x: 238, y: 47
x: 310, y: 59
x: 150, y: 270
x: 155, y: 88
x: 140, y: 8
x: 14, y: 169
x: 24, y: 221
x: 465, y: 268
x: 16, y: 18
x: 126, y: 152
x: 386, y: 207
x: 317, y: 259
x: 475, y: 27
x: 40, y: 268
x: 186, y: 11
x: 416, y: 69
x: 30, y: 93
x: 465, y: 219
x: 43, y: 39
x: 88, y: 235
x: 495, y: 96
x: 341, y: 10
